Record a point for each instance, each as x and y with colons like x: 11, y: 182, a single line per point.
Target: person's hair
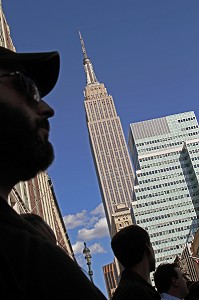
x: 41, y: 226
x: 163, y: 276
x: 129, y: 245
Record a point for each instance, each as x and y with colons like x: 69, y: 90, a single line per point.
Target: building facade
x: 5, y: 38
x: 165, y: 154
x: 111, y: 279
x: 187, y: 264
x: 108, y: 145
x: 195, y: 252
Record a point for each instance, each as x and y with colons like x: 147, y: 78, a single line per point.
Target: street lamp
x: 88, y: 257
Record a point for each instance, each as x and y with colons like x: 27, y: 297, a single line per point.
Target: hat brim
x: 43, y: 67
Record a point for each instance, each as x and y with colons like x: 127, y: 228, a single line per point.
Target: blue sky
x: 147, y: 54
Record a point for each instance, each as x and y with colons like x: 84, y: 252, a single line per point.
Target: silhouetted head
x: 130, y: 244
x: 169, y: 279
x: 24, y: 126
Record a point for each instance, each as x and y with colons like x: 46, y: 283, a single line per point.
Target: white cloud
x: 94, y: 248
x: 99, y: 210
x: 99, y: 230
x: 78, y: 250
x: 78, y: 247
x: 73, y: 221
x: 97, y: 248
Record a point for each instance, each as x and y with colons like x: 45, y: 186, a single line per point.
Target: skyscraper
x: 5, y: 38
x: 165, y: 156
x: 109, y: 149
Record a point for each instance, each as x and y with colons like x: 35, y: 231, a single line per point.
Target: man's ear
x: 174, y: 281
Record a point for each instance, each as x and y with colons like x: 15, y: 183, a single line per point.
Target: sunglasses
x: 27, y: 83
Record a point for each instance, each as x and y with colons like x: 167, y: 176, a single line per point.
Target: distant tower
x: 109, y: 149
x: 5, y: 38
x: 36, y: 195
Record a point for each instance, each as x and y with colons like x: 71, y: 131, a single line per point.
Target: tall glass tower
x: 165, y: 153
x: 109, y: 149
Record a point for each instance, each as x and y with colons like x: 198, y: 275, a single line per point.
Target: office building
x: 108, y: 146
x: 111, y: 279
x: 165, y: 155
x: 186, y: 264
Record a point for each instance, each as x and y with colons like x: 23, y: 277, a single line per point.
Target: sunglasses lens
x: 35, y: 91
x: 30, y: 87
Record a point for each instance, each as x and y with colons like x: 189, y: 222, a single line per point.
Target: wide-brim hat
x: 42, y: 67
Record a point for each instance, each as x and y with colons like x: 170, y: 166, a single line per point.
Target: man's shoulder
x: 24, y: 254
x: 135, y: 289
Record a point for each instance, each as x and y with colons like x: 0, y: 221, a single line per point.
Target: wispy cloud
x: 73, y: 221
x: 99, y: 230
x: 94, y: 248
x: 84, y: 218
x: 99, y: 210
x: 97, y: 248
x: 93, y: 226
x: 78, y: 247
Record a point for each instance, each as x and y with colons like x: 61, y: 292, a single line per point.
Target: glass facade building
x: 165, y: 155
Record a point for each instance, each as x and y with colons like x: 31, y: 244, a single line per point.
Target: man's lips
x: 44, y: 128
x: 44, y: 124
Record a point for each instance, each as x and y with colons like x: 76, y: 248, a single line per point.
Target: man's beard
x: 23, y: 152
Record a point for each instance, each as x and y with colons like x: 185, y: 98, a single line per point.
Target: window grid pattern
x: 166, y: 196
x: 110, y: 151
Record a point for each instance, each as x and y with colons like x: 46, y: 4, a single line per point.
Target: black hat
x: 43, y: 67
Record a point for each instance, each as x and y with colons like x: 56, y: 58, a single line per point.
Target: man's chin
x: 35, y: 163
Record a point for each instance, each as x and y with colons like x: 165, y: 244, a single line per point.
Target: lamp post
x: 88, y: 257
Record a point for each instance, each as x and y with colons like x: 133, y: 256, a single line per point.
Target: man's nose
x: 45, y: 109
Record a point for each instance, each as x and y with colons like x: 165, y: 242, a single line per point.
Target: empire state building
x: 110, y: 154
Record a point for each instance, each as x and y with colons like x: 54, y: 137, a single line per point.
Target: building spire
x: 88, y: 67
x: 83, y: 46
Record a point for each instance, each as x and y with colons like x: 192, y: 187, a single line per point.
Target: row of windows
x: 159, y: 163
x: 171, y: 210
x: 163, y: 216
x: 153, y: 179
x: 160, y: 140
x: 169, y: 248
x: 165, y: 258
x: 168, y: 224
x: 164, y: 170
x: 171, y: 239
x: 185, y: 120
x: 193, y: 144
x: 162, y: 200
x: 153, y: 227
x: 193, y: 133
x: 194, y: 151
x: 180, y: 189
x: 191, y: 127
x: 157, y: 186
x: 159, y: 156
x: 162, y: 146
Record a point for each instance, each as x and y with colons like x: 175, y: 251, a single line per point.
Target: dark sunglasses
x: 27, y: 83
